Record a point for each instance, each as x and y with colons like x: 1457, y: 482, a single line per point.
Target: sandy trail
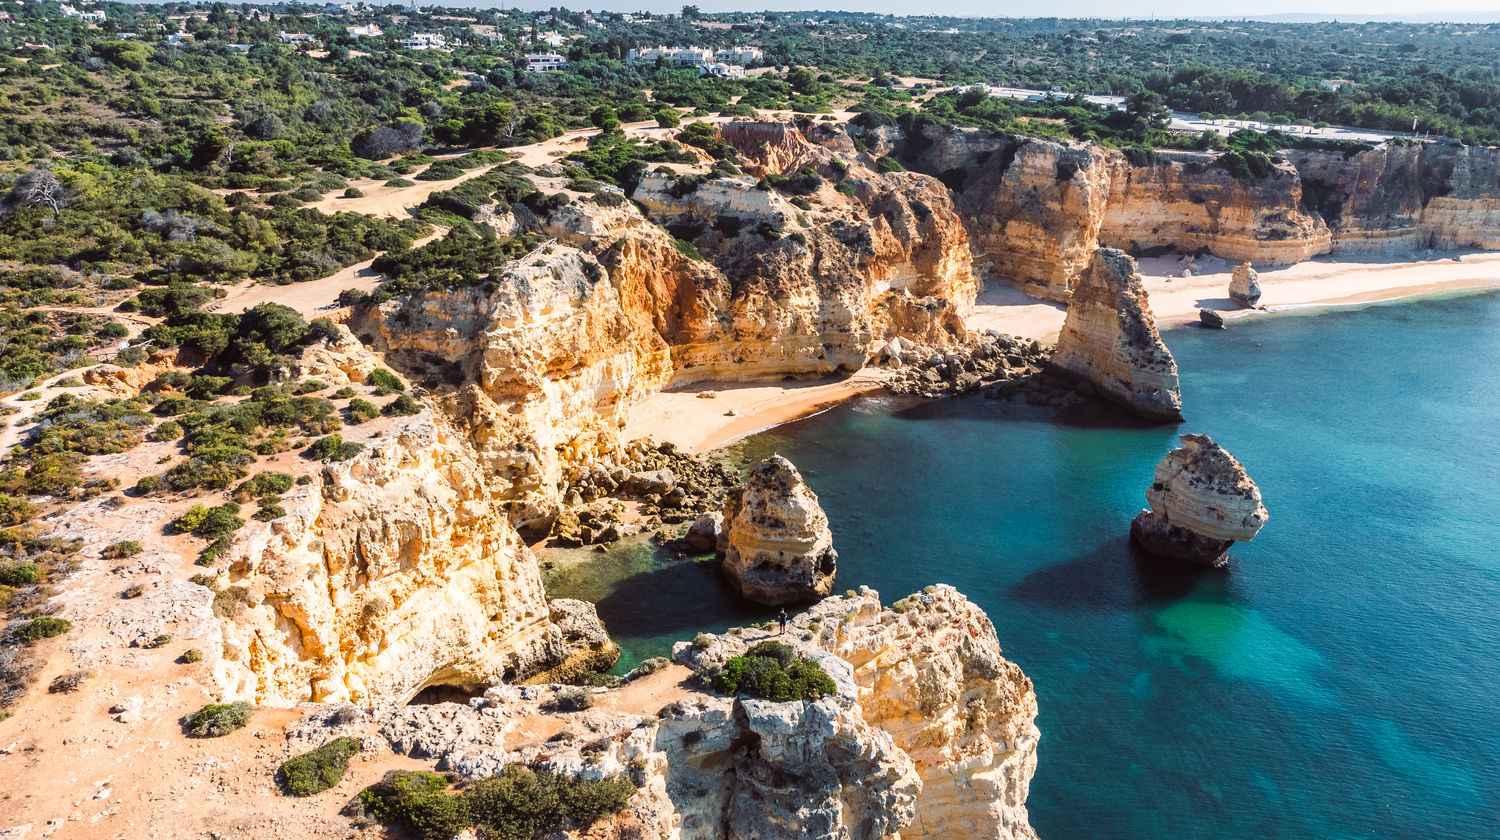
x: 314, y: 298
x: 393, y: 202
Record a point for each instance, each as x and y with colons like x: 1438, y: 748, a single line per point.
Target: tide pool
x: 1340, y: 682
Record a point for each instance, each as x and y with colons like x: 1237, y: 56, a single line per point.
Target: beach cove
x: 1332, y: 684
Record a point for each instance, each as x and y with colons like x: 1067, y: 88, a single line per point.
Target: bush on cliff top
x: 515, y: 805
x: 773, y: 671
x: 215, y: 719
x: 317, y: 770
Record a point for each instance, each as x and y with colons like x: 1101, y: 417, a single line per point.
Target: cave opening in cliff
x: 445, y: 693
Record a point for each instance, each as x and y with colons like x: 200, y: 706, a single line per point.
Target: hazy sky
x: 1341, y: 9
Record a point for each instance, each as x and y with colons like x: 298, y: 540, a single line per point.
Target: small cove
x: 1338, y: 682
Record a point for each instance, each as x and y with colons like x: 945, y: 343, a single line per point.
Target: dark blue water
x: 1342, y: 681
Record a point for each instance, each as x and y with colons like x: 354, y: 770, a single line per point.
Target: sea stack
x: 1244, y: 287
x: 1109, y: 338
x: 776, y: 547
x: 1202, y: 502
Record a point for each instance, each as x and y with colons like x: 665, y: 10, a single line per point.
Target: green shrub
x: 161, y: 640
x: 343, y: 393
x: 385, y: 381
x: 148, y: 484
x: 263, y: 484
x: 190, y: 656
x: 317, y: 770
x: 401, y: 406
x: 362, y: 410
x: 123, y: 549
x: 20, y: 574
x: 216, y: 720
x: 889, y: 164
x: 210, y: 523
x: 772, y: 671
x: 688, y: 249
x: 333, y: 448
x: 268, y: 511
x: 166, y: 431
x: 45, y: 627
x: 400, y: 182
x: 515, y: 805
x: 353, y: 192
x: 417, y: 801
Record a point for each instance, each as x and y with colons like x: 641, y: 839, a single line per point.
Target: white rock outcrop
x: 1202, y: 502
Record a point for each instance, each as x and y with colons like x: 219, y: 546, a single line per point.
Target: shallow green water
x: 1342, y: 681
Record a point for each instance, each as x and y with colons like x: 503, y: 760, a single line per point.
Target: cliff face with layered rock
x: 929, y: 675
x: 540, y: 366
x: 1202, y: 502
x: 1109, y: 338
x: 930, y: 733
x: 393, y: 571
x: 775, y: 546
x: 1037, y: 208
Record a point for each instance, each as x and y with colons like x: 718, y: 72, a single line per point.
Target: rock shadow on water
x: 1115, y: 576
x: 675, y: 600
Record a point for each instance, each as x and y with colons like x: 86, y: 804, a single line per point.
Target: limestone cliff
x: 776, y: 547
x: 537, y: 367
x: 1202, y: 502
x: 393, y: 571
x: 930, y: 675
x: 931, y: 734
x: 1109, y: 338
x: 1036, y: 209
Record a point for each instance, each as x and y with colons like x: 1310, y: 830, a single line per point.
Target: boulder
x: 1201, y: 502
x: 1109, y: 338
x: 1210, y: 319
x: 1244, y: 287
x: 704, y: 535
x: 650, y: 483
x: 776, y: 547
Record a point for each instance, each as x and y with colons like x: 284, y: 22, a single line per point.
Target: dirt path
x: 314, y: 298
x: 392, y: 202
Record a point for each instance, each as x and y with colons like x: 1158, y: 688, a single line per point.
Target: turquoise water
x: 1340, y: 682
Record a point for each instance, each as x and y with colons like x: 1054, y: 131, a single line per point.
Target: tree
x: 1150, y: 107
x: 668, y: 118
x: 691, y: 13
x: 38, y: 188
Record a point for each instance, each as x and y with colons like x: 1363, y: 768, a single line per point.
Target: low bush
x: 67, y: 683
x: 216, y: 720
x: 122, y: 549
x: 263, y: 484
x: 333, y: 448
x: 401, y: 406
x: 360, y: 411
x: 385, y: 381
x: 45, y: 627
x: 773, y: 671
x: 317, y: 770
x: 20, y: 574
x: 190, y: 656
x: 515, y: 805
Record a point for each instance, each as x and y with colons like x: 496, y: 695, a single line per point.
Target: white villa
x: 425, y: 41
x: 544, y: 62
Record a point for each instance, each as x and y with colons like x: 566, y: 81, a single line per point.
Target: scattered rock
x: 775, y: 546
x: 1202, y: 502
x: 704, y: 535
x: 1210, y: 319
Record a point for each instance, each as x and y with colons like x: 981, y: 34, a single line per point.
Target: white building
x: 679, y: 56
x: 721, y: 70
x: 294, y: 37
x: 551, y: 39
x: 369, y: 30
x: 739, y: 55
x: 74, y: 14
x: 425, y: 41
x: 544, y: 62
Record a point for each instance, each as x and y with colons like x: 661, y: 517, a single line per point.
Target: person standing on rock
x: 781, y: 616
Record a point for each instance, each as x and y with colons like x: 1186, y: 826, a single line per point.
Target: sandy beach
x: 699, y: 424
